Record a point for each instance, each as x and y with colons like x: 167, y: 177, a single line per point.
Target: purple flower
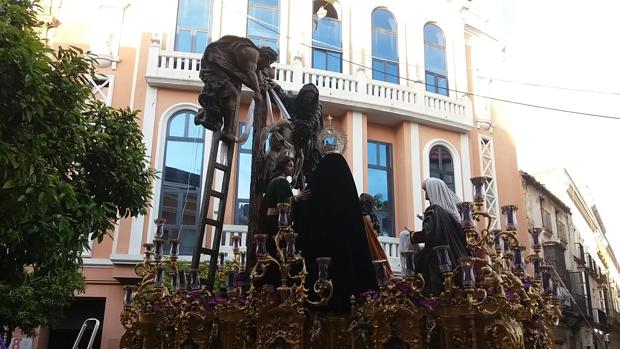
x: 403, y: 287
x: 429, y: 302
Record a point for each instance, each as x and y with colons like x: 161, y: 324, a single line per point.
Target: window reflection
x: 380, y: 184
x: 193, y: 21
x: 264, y: 22
x: 181, y: 179
x: 244, y: 168
x: 327, y: 41
x: 435, y: 60
x: 384, y: 47
x: 441, y: 165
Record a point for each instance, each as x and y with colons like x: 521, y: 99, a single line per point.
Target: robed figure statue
x: 441, y: 226
x: 307, y: 117
x: 330, y: 224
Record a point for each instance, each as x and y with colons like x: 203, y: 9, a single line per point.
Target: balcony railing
x: 390, y: 244
x: 180, y: 70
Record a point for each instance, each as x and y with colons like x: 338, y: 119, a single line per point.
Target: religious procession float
x: 313, y: 276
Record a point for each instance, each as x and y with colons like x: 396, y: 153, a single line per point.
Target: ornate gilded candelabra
x: 488, y: 299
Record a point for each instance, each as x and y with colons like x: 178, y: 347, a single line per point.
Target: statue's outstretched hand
x: 303, y: 195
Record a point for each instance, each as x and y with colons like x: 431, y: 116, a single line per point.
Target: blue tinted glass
x: 382, y: 155
x: 177, y: 125
x: 183, y: 41
x: 372, y: 153
x: 189, y: 208
x: 430, y: 82
x: 201, y: 41
x: 319, y: 59
x: 383, y: 19
x: 442, y: 86
x: 378, y: 183
x: 194, y: 14
x: 391, y: 73
x: 435, y: 59
x: 275, y: 3
x: 184, y: 156
x: 384, y: 45
x: 264, y: 22
x: 187, y: 236
x: 327, y: 34
x: 194, y: 131
x: 334, y: 61
x: 378, y: 67
x: 245, y: 169
x: 243, y: 212
x: 433, y: 34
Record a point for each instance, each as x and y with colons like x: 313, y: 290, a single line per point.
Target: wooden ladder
x: 220, y: 158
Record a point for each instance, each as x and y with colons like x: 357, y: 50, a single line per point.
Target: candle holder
x: 159, y: 277
x: 407, y: 265
x: 194, y: 279
x: 480, y: 188
x: 183, y: 279
x: 323, y: 286
x: 467, y: 268
x: 443, y: 257
x: 380, y: 272
x: 466, y: 210
x: 518, y: 260
x: 510, y: 216
x: 261, y: 246
x: 159, y: 232
x: 536, y: 242
x: 236, y: 239
x: 498, y: 241
x: 289, y: 250
x: 547, y: 282
x: 174, y: 248
x: 159, y: 248
x: 283, y: 214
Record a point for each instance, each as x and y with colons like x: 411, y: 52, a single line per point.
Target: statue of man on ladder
x: 225, y: 65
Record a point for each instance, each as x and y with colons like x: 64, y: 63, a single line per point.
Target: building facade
x: 574, y: 243
x: 400, y: 78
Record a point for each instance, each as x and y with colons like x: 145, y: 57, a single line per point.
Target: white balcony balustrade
x: 390, y: 244
x: 180, y: 70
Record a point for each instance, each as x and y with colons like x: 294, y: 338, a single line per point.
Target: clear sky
x: 571, y: 44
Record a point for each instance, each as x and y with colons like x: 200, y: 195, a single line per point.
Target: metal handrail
x: 92, y: 336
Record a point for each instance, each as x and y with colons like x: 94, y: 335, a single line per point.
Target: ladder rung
x: 221, y: 167
x: 213, y: 222
x: 207, y: 251
x: 217, y: 194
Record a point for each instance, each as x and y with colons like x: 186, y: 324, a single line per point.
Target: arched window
x: 181, y: 179
x: 441, y: 165
x: 264, y: 22
x: 384, y: 46
x: 193, y: 23
x: 326, y: 37
x: 435, y: 60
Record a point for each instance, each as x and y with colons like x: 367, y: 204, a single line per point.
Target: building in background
x: 574, y: 242
x: 401, y: 79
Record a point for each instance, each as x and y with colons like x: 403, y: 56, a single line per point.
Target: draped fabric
x: 440, y: 228
x: 376, y: 250
x: 330, y: 224
x: 439, y: 194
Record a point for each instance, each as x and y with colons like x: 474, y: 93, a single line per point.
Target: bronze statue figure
x: 280, y: 136
x: 225, y: 65
x: 307, y: 116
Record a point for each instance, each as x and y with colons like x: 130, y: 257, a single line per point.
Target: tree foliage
x: 70, y: 167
